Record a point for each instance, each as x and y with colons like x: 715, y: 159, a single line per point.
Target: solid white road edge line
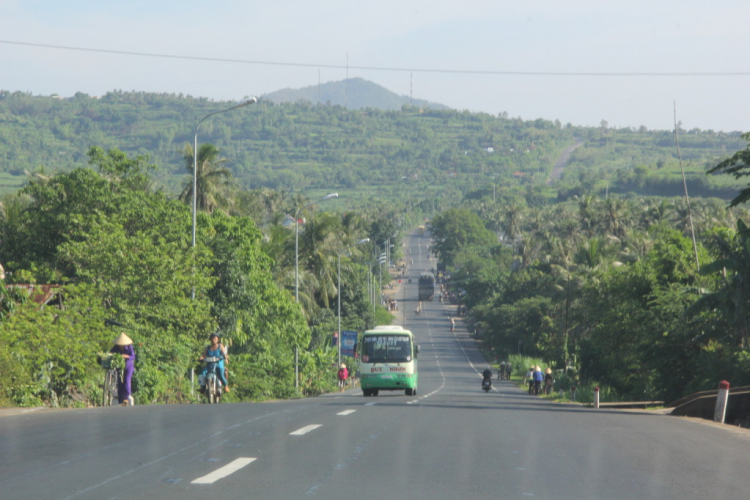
x: 346, y: 412
x: 305, y: 429
x: 222, y: 472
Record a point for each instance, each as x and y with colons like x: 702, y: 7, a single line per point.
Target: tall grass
x: 521, y: 364
x: 584, y: 391
x: 564, y: 383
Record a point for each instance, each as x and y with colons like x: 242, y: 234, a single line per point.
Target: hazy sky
x: 560, y: 36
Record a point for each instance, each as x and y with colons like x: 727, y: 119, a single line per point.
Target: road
x: 450, y: 441
x: 562, y: 160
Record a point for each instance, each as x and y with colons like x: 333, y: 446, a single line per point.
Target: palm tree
x: 512, y: 221
x: 211, y: 178
x: 593, y: 254
x: 12, y: 207
x: 587, y: 214
x: 39, y: 177
x: 613, y: 216
x: 733, y: 299
x: 320, y: 240
x: 657, y: 213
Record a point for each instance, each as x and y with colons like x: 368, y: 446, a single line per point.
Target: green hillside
x: 413, y: 151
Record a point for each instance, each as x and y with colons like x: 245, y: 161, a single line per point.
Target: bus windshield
x: 386, y: 349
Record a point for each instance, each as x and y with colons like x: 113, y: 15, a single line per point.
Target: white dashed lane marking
x: 228, y: 469
x: 304, y: 430
x: 346, y: 412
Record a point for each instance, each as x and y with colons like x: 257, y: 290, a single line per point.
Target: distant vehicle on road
x: 426, y: 286
x: 421, y: 230
x: 388, y: 361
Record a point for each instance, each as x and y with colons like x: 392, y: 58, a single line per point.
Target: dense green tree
x: 737, y: 165
x: 732, y: 296
x: 458, y: 229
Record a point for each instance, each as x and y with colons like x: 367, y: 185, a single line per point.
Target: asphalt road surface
x: 450, y: 441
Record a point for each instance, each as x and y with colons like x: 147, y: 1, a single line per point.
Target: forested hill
x: 353, y: 93
x: 302, y: 146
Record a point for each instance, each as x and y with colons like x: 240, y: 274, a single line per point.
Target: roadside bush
x: 521, y: 364
x: 49, y: 351
x: 316, y: 375
x: 585, y: 393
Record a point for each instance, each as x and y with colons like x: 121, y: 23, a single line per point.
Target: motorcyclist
x: 218, y: 350
x: 487, y: 375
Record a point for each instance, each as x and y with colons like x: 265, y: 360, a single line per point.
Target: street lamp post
x: 296, y: 242
x: 252, y: 100
x: 381, y: 259
x: 387, y: 255
x: 360, y: 242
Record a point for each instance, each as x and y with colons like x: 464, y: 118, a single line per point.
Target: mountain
x: 353, y: 93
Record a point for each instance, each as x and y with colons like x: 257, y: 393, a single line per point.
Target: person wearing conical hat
x: 124, y: 347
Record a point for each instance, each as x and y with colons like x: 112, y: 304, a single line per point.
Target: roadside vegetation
x: 114, y: 249
x: 608, y: 291
x: 587, y: 273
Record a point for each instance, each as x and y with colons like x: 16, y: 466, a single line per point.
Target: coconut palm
x: 211, y: 178
x: 594, y: 253
x: 319, y: 242
x: 613, y: 216
x: 587, y: 214
x: 511, y: 222
x: 733, y: 298
x: 12, y: 207
x: 656, y: 213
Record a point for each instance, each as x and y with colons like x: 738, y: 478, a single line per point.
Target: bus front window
x: 387, y: 349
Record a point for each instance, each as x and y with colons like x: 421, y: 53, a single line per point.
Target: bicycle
x: 109, y: 392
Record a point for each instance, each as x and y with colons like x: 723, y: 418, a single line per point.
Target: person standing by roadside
x: 501, y: 371
x: 548, y: 381
x: 529, y: 379
x: 508, y: 370
x: 343, y: 375
x: 538, y: 377
x: 124, y: 347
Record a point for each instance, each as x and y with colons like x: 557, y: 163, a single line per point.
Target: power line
x: 382, y: 68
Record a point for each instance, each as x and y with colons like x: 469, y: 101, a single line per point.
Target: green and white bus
x: 388, y: 361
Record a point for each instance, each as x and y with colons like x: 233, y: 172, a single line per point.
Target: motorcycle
x: 486, y: 385
x: 211, y: 382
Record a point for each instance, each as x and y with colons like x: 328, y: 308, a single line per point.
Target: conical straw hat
x: 123, y: 340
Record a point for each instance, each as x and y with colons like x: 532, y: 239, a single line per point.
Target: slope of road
x: 562, y: 160
x: 449, y: 441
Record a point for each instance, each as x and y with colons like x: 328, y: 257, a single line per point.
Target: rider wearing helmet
x: 216, y: 349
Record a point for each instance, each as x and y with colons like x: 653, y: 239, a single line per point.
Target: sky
x: 576, y: 61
